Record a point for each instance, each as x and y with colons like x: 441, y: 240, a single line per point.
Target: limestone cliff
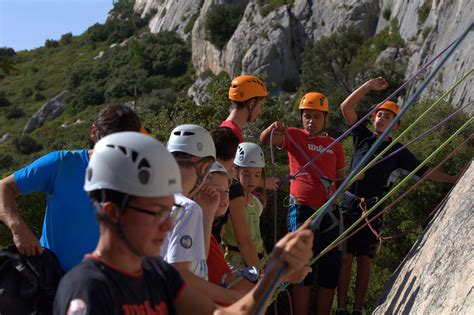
x: 437, y: 275
x: 273, y: 43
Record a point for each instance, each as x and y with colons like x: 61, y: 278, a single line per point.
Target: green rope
x: 378, y: 156
x: 366, y: 214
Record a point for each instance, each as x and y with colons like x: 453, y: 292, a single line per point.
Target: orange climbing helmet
x: 391, y: 107
x: 314, y: 100
x: 245, y: 87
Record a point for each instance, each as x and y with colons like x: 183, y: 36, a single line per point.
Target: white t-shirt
x: 185, y: 242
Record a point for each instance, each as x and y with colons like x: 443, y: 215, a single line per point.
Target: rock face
x: 273, y: 44
x: 429, y: 27
x: 51, y: 109
x: 437, y: 276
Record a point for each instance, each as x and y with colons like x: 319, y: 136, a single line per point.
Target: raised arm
x: 24, y: 239
x: 278, y: 134
x: 350, y: 103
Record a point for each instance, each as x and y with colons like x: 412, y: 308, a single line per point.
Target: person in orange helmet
x: 376, y: 181
x: 310, y: 190
x: 247, y: 94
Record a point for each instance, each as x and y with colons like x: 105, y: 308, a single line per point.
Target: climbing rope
x: 316, y: 217
x: 344, y: 236
x: 398, y: 199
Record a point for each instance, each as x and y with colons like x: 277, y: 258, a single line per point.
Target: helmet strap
x: 121, y: 233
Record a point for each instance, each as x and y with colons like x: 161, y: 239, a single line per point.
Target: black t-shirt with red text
x: 96, y: 288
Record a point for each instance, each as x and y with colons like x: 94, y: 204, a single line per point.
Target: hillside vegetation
x: 120, y: 61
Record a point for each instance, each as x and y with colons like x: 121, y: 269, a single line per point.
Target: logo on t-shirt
x: 186, y: 241
x: 319, y: 148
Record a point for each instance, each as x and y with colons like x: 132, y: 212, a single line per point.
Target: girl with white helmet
x: 242, y: 238
x: 132, y: 181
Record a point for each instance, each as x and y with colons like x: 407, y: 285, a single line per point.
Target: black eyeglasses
x: 161, y: 216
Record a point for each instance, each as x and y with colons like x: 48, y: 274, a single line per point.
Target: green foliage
x: 26, y: 144
x: 338, y: 64
x: 426, y: 32
x: 4, y: 101
x: 7, y: 52
x: 66, y: 39
x: 14, y: 113
x: 387, y: 12
x: 51, y: 43
x: 189, y: 26
x: 267, y: 6
x: 122, y: 23
x: 424, y: 11
x: 221, y: 22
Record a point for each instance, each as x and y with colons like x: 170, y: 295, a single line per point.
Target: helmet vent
x: 143, y: 163
x: 110, y: 146
x: 89, y: 174
x: 124, y: 151
x: 183, y: 133
x: 134, y: 156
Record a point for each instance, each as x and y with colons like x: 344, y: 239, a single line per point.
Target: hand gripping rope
x: 344, y: 235
x: 316, y: 217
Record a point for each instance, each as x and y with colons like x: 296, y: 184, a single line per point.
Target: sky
x: 27, y: 24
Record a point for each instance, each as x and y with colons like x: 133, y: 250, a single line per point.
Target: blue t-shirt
x: 70, y: 228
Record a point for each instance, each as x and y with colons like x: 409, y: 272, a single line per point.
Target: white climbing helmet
x: 249, y: 155
x: 134, y: 164
x: 217, y: 167
x: 193, y: 140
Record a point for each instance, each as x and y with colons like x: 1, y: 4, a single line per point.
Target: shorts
x: 329, y: 264
x: 364, y: 242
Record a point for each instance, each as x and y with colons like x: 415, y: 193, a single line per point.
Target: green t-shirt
x: 252, y: 218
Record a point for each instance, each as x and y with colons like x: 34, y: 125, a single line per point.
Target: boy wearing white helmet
x: 131, y: 180
x: 187, y: 245
x: 242, y: 238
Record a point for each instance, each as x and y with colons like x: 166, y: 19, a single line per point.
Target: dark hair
x: 103, y: 195
x: 116, y: 118
x: 243, y: 104
x: 226, y: 142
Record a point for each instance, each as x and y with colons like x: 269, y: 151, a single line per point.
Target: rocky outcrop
x: 430, y: 26
x: 437, y: 276
x: 272, y: 44
x: 171, y: 15
x: 51, y: 109
x: 5, y: 137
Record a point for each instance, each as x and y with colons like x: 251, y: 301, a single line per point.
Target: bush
x: 6, y: 161
x: 4, y: 101
x: 37, y: 96
x: 66, y: 39
x: 424, y: 11
x: 221, y: 22
x: 7, y: 52
x: 15, y: 113
x: 267, y: 6
x: 51, y: 43
x: 387, y: 12
x: 26, y: 144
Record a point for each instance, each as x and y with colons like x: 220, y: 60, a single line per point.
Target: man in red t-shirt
x: 247, y: 94
x: 311, y: 188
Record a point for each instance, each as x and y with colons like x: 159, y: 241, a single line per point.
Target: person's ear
x: 111, y: 210
x: 93, y: 133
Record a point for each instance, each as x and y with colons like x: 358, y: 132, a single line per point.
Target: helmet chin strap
x: 199, y: 180
x: 121, y: 232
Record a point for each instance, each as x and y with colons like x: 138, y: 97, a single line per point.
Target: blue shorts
x: 329, y: 264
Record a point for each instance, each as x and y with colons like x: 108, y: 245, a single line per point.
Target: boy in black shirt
x: 374, y: 183
x: 131, y: 180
